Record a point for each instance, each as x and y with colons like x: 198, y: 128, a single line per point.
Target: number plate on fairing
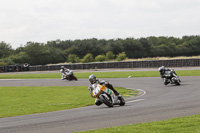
x: 96, y: 90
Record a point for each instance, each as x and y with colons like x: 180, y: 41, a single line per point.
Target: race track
x: 158, y: 102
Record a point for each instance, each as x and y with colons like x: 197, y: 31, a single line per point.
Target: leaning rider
x: 64, y: 71
x: 163, y: 70
x: 93, y: 80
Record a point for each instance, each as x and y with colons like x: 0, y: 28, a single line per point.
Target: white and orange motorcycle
x: 107, y: 96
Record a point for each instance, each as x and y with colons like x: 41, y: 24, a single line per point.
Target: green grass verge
x: 26, y: 100
x: 189, y: 124
x: 124, y: 74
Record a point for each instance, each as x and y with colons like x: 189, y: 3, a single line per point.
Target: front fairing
x: 98, y: 89
x: 168, y: 74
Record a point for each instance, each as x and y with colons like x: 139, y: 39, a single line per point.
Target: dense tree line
x: 89, y: 50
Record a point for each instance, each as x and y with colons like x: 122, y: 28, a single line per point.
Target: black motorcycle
x: 171, y: 77
x: 70, y: 76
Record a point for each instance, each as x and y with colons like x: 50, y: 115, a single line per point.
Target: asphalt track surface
x: 158, y: 102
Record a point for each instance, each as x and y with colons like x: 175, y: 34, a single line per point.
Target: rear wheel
x: 106, y: 101
x: 176, y: 81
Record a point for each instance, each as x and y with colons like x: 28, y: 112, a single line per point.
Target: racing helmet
x: 92, y: 78
x: 162, y: 68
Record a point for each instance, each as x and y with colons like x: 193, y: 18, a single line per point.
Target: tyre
x: 122, y: 101
x: 106, y: 101
x: 75, y: 78
x: 178, y: 83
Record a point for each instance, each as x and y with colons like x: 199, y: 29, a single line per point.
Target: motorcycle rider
x: 93, y: 80
x: 163, y: 70
x: 64, y: 71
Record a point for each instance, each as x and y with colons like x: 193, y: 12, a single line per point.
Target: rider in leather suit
x: 64, y: 71
x: 162, y: 71
x: 92, y: 79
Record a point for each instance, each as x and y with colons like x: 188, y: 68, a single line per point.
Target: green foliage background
x: 87, y: 50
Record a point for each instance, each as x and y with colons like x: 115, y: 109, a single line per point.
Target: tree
x: 5, y: 50
x: 115, y: 45
x: 133, y: 48
x: 37, y: 53
x: 41, y: 54
x: 20, y: 58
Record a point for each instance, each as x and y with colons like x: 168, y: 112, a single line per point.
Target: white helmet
x: 92, y: 78
x: 162, y: 68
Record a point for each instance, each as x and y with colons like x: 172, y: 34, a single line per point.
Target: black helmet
x: 162, y: 68
x: 62, y: 67
x: 92, y: 78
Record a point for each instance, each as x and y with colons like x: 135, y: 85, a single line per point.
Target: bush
x: 121, y: 56
x: 2, y: 63
x: 6, y: 61
x: 110, y: 55
x: 73, y: 58
x: 87, y: 58
x: 100, y: 58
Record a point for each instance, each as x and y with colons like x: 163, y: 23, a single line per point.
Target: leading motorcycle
x: 107, y: 96
x: 171, y: 77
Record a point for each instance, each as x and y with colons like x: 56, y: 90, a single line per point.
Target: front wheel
x: 75, y: 78
x: 122, y: 101
x: 107, y: 101
x: 178, y: 83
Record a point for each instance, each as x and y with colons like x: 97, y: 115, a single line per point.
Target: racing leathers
x: 65, y: 72
x: 165, y: 78
x: 104, y: 83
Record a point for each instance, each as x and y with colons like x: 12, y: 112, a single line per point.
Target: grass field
x: 189, y: 124
x: 25, y: 100
x: 124, y: 74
